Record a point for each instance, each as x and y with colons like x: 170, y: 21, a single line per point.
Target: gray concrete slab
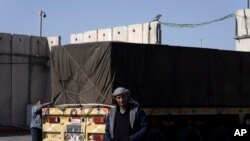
x: 5, y: 81
x: 90, y: 36
x: 54, y: 41
x: 104, y: 34
x: 39, y: 46
x: 135, y: 33
x: 20, y: 78
x: 39, y: 87
x: 39, y: 69
x: 120, y: 33
x: 77, y: 38
x: 5, y: 40
x: 20, y: 44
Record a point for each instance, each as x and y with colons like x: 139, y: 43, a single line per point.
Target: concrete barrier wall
x: 148, y: 33
x: 104, y: 34
x: 54, y: 41
x: 25, y: 77
x: 242, y: 21
x: 135, y: 33
x: 243, y: 44
x: 20, y: 78
x: 90, y: 36
x: 120, y: 33
x: 39, y: 74
x: 5, y: 81
x: 155, y: 32
x: 77, y: 38
x: 242, y: 41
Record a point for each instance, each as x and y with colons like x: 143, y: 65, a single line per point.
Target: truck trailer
x: 188, y: 93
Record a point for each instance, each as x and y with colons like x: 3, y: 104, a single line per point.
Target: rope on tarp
x: 83, y: 72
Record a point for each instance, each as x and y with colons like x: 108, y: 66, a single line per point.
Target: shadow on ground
x: 13, y: 131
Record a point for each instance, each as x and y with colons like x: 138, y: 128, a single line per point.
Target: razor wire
x: 177, y: 25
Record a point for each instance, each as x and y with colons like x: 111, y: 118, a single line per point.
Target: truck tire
x: 220, y: 134
x: 189, y: 134
x: 155, y: 135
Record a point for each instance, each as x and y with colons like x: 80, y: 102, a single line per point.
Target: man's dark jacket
x: 138, y: 123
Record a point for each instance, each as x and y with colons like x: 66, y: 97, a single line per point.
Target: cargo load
x: 157, y: 75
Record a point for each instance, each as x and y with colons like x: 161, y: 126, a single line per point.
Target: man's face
x: 122, y: 100
x: 39, y: 102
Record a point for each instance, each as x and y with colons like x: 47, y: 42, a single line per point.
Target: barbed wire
x: 177, y: 25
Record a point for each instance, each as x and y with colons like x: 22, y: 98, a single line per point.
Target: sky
x: 65, y: 17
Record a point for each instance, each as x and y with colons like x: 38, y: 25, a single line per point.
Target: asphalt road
x: 16, y: 138
x: 9, y: 133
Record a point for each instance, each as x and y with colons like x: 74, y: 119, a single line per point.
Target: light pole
x: 42, y: 15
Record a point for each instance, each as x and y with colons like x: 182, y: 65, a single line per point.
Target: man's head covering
x: 121, y: 91
x: 124, y: 91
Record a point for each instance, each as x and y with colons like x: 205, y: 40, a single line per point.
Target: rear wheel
x: 220, y: 134
x: 189, y: 134
x: 155, y: 135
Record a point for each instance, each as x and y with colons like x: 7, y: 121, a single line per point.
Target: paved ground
x: 16, y: 138
x: 8, y: 133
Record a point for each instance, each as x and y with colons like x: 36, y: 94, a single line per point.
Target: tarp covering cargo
x: 157, y: 75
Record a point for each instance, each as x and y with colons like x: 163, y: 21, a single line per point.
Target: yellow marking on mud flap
x: 98, y: 128
x: 52, y: 128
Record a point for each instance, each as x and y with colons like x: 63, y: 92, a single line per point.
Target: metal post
x: 42, y: 15
x: 41, y: 22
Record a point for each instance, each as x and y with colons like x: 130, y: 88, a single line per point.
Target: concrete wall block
x: 5, y: 43
x: 151, y: 32
x: 120, y: 33
x: 54, y: 41
x: 20, y: 78
x: 135, y: 33
x: 20, y: 93
x: 243, y: 45
x: 5, y: 48
x: 155, y: 32
x: 5, y: 100
x: 48, y: 92
x: 20, y: 44
x: 90, y: 36
x: 73, y: 38
x: 28, y: 114
x: 39, y: 86
x: 104, y: 34
x: 145, y: 32
x: 5, y: 81
x: 243, y: 22
x: 39, y: 47
x: 77, y: 38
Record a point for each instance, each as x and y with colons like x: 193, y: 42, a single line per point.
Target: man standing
x: 127, y: 121
x: 36, y: 120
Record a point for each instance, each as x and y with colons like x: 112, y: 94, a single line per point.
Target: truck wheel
x: 155, y: 135
x: 220, y: 134
x: 189, y: 134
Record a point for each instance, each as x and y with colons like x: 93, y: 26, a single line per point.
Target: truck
x: 188, y: 93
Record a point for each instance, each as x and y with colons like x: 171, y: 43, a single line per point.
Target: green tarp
x: 157, y: 75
